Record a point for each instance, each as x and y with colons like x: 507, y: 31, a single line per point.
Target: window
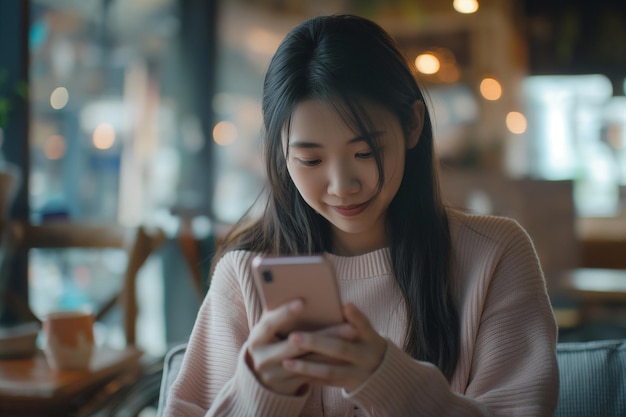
x: 577, y: 132
x: 105, y: 119
x: 115, y: 140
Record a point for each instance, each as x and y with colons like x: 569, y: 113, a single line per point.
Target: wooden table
x: 29, y: 387
x: 595, y: 289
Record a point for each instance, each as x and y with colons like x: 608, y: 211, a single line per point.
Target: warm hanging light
x: 490, y: 89
x: 516, y: 122
x: 427, y: 63
x: 465, y: 6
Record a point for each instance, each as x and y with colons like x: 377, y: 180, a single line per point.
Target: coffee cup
x: 69, y: 341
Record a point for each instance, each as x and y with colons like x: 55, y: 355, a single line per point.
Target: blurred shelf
x: 67, y: 235
x: 603, y: 242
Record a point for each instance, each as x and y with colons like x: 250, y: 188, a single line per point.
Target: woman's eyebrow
x: 303, y: 144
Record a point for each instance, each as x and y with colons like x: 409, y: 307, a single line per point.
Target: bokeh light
x: 54, y: 147
x: 427, y: 63
x: 516, y: 122
x: 59, y: 98
x: 103, y: 136
x: 490, y: 89
x: 465, y: 6
x: 224, y: 133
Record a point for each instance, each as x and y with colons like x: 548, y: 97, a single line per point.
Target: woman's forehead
x: 356, y: 115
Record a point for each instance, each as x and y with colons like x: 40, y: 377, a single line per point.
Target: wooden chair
x: 135, y: 386
x: 139, y: 243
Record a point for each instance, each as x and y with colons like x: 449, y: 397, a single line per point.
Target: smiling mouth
x: 351, y: 210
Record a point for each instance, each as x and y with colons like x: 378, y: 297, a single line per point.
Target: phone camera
x: 267, y: 276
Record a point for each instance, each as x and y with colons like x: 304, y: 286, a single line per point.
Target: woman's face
x: 335, y: 172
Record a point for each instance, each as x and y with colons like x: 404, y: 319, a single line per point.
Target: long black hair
x: 343, y: 59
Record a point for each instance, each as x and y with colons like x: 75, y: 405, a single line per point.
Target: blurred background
x: 130, y: 134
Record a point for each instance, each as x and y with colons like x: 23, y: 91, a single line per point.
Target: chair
x: 171, y: 366
x: 139, y: 243
x: 593, y: 378
x: 130, y: 394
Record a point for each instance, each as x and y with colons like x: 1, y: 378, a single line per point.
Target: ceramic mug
x: 69, y: 341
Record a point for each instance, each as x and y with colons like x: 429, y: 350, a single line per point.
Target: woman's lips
x: 351, y: 210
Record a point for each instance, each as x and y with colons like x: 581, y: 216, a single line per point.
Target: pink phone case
x: 310, y: 278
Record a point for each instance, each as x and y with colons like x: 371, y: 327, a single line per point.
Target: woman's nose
x: 343, y: 180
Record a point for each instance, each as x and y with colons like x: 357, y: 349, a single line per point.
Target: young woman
x: 446, y: 313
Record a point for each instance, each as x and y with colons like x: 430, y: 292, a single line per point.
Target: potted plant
x: 9, y: 95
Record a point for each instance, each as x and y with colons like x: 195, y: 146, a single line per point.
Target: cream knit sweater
x: 507, y: 366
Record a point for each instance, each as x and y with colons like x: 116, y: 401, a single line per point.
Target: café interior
x: 129, y: 142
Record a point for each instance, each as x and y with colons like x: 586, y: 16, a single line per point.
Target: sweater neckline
x: 371, y: 264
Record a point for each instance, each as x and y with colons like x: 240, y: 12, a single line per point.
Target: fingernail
x: 295, y: 337
x: 295, y: 305
x: 347, y: 331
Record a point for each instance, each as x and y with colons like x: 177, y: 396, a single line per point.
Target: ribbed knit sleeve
x: 513, y: 367
x: 508, y: 365
x: 215, y: 379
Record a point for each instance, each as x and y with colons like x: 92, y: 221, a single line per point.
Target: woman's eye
x: 309, y: 162
x: 364, y: 155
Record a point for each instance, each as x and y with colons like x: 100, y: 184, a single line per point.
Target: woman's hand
x: 351, y: 359
x: 267, y: 351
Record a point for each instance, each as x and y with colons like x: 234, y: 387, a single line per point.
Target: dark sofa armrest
x: 171, y: 367
x: 592, y: 379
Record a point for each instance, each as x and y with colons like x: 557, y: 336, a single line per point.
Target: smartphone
x: 311, y: 278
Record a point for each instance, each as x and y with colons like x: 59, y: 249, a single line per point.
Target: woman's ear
x: 415, y: 131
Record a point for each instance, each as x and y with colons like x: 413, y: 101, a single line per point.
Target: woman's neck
x: 352, y: 245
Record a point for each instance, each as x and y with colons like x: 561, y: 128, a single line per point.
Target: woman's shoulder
x: 235, y: 263
x: 466, y: 226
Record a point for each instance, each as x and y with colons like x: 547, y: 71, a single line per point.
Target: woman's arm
x: 513, y: 369
x: 214, y: 379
